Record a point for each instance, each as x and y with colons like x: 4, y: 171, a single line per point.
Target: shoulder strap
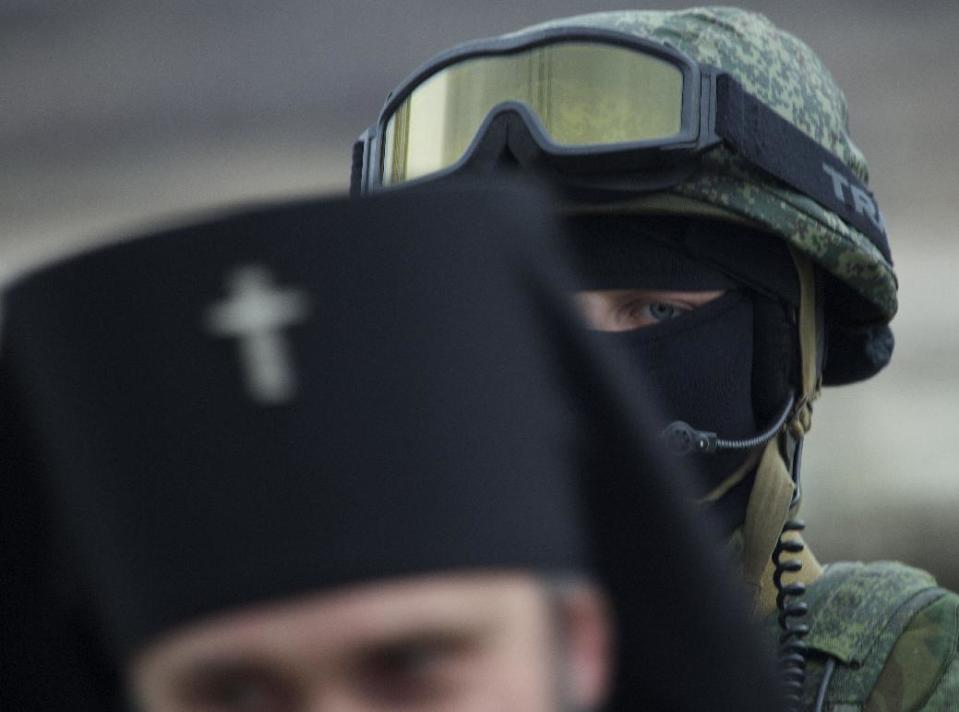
x: 857, y: 613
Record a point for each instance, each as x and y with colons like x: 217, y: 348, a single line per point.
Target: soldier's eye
x: 664, y: 311
x: 641, y: 312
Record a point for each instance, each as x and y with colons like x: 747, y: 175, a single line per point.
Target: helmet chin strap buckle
x: 794, y: 446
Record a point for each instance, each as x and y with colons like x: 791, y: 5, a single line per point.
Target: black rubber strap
x: 769, y: 141
x: 356, y: 170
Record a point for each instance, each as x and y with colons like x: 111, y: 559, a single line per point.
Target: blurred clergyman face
x: 465, y: 643
x: 628, y: 309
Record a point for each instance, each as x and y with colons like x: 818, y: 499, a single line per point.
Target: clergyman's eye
x: 420, y: 671
x: 240, y: 690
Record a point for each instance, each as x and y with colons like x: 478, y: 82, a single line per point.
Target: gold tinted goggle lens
x: 582, y: 93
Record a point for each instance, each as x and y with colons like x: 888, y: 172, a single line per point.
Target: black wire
x: 682, y: 438
x: 792, y: 647
x: 826, y: 677
x: 762, y: 438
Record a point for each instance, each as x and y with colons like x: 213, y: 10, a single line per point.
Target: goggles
x: 601, y: 111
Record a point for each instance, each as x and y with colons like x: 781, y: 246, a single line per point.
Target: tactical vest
x: 857, y: 614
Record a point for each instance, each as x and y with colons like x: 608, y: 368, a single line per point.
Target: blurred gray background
x: 116, y: 115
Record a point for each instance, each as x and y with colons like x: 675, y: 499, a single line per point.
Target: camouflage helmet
x: 785, y: 74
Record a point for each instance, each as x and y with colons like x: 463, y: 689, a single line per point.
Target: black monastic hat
x: 311, y: 395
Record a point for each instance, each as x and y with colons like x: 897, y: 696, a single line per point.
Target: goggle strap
x: 358, y: 170
x: 766, y: 139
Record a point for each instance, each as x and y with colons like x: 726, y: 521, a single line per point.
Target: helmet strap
x: 766, y: 514
x: 775, y: 495
x: 811, y: 331
x: 720, y: 490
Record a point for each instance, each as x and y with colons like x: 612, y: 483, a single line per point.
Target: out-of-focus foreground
x: 118, y: 115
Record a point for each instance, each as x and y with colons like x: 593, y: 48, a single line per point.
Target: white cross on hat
x: 255, y: 313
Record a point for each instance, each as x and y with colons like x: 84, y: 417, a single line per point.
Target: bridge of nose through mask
x: 728, y: 365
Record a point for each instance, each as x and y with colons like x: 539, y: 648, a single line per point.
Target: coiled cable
x: 792, y: 646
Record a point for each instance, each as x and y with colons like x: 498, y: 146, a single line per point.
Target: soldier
x: 728, y: 242
x: 268, y: 464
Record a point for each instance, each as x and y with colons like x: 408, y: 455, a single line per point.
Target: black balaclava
x: 440, y: 410
x: 726, y: 367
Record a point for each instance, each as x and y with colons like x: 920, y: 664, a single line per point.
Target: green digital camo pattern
x: 922, y: 673
x: 893, y: 634
x: 785, y: 74
x: 945, y: 698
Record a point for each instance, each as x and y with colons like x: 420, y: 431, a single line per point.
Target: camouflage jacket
x: 883, y: 638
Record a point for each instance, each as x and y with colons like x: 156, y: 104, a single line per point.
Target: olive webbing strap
x: 770, y: 502
x: 766, y: 514
x: 720, y: 490
x: 808, y: 344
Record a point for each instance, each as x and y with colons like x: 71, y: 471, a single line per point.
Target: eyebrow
x: 211, y: 665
